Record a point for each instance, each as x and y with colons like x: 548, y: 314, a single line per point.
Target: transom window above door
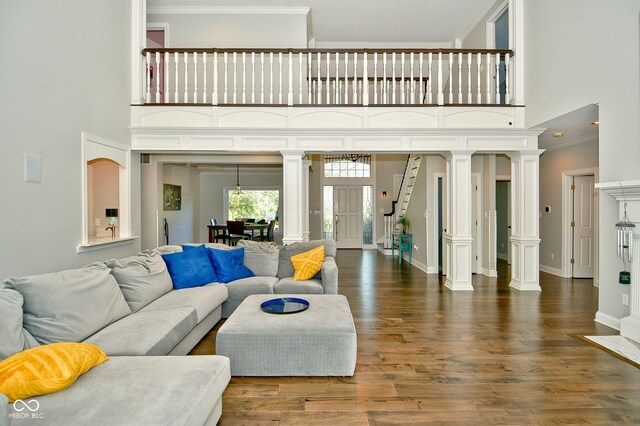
x: 347, y: 166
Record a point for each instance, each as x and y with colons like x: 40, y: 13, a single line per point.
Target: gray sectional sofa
x: 128, y: 308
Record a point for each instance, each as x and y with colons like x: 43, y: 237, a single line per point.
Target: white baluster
x: 176, y: 60
x: 280, y: 78
x: 346, y: 77
x: 479, y: 66
x: 309, y: 80
x: 319, y: 81
x: 328, y: 78
x: 497, y: 79
x: 375, y: 78
x: 459, y: 78
x: 235, y: 77
x: 253, y: 77
x: 440, y: 93
x: 290, y: 94
x: 157, y: 76
x: 215, y: 78
x: 393, y: 78
x: 355, y: 78
x: 166, y: 77
x: 262, y: 77
x: 384, y: 77
x: 195, y: 77
x: 300, y: 61
x: 402, y: 80
x: 450, y: 77
x: 469, y: 60
x: 186, y: 77
x: 429, y: 80
x: 204, y: 77
x: 226, y: 76
x: 365, y: 80
x: 411, y: 82
x: 336, y: 85
x: 488, y: 101
x: 147, y: 96
x: 420, y: 81
x: 271, y: 77
x: 507, y: 79
x: 244, y: 77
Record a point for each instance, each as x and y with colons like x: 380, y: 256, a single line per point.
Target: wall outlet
x: 97, y: 221
x: 415, y: 247
x: 625, y: 299
x: 552, y: 256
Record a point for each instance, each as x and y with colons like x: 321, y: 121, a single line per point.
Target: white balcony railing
x: 328, y: 77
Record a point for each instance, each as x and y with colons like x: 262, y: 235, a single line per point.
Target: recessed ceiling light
x: 558, y: 134
x: 595, y: 122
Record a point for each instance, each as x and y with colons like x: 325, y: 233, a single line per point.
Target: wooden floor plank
x: 427, y: 355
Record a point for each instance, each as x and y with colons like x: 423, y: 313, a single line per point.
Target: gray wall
x: 552, y: 164
x: 415, y: 213
x: 66, y: 69
x: 184, y: 224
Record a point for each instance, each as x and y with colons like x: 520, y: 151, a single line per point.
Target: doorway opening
x: 503, y: 220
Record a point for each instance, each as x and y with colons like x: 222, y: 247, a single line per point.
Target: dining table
x: 219, y: 230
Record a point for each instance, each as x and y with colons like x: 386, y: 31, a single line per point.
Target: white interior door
x: 347, y: 216
x: 583, y: 229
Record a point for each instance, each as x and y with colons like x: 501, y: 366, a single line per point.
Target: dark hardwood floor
x: 429, y: 355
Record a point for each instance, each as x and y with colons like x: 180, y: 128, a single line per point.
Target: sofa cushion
x: 190, y: 268
x: 228, y: 264
x: 240, y: 289
x: 142, y: 279
x: 203, y: 299
x: 71, y: 305
x: 146, y: 333
x: 285, y: 267
x: 140, y: 390
x: 47, y: 369
x: 13, y: 338
x: 291, y: 286
x: 260, y: 257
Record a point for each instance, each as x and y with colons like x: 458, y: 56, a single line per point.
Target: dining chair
x: 269, y: 234
x: 236, y: 231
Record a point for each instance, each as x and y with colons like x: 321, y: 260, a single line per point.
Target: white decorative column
x: 458, y: 236
x: 629, y: 192
x: 525, y: 232
x: 305, y: 199
x: 293, y: 197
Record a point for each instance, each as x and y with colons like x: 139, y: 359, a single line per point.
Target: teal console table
x: 404, y: 243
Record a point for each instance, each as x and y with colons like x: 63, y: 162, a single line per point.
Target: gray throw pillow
x: 142, y: 279
x: 13, y: 338
x: 260, y: 257
x: 285, y: 267
x: 71, y: 305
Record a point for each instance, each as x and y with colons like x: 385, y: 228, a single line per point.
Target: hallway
x: 430, y: 355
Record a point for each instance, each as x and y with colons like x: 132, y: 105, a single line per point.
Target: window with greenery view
x: 254, y: 204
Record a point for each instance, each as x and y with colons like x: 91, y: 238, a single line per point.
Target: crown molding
x: 576, y: 141
x: 226, y: 10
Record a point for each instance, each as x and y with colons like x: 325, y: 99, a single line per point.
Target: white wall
x: 433, y: 164
x: 184, y: 223
x: 234, y: 30
x: 477, y: 38
x: 552, y: 164
x: 580, y: 52
x: 415, y: 213
x: 65, y: 70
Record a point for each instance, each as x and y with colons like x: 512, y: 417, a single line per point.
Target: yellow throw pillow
x: 307, y: 264
x: 47, y: 369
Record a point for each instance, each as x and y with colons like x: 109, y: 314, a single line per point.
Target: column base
x: 457, y: 286
x: 630, y: 328
x: 525, y: 286
x: 305, y: 236
x: 291, y: 240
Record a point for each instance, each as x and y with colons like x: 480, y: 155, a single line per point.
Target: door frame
x: 476, y: 179
x: 567, y: 213
x: 437, y: 225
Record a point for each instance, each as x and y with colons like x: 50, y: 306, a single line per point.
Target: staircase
x: 400, y: 206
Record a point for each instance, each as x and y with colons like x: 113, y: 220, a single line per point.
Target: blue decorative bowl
x: 285, y: 305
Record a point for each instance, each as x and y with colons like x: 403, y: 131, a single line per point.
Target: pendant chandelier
x: 238, y: 190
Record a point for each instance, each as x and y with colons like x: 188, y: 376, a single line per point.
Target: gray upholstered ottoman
x: 320, y: 341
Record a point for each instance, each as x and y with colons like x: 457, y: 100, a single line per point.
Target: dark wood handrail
x: 316, y: 51
x: 394, y: 202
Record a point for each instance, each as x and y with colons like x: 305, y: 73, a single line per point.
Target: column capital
x: 525, y: 153
x: 292, y: 152
x: 462, y: 152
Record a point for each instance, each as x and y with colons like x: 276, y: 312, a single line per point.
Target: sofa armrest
x: 329, y: 274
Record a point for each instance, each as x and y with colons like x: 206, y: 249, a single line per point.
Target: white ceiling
x: 576, y: 127
x: 366, y: 23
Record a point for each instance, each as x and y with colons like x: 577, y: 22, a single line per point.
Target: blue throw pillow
x: 228, y: 264
x: 190, y: 268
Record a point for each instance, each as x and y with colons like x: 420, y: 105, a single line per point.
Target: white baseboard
x: 608, y: 320
x: 491, y: 273
x: 550, y: 270
x: 502, y: 256
x: 381, y: 249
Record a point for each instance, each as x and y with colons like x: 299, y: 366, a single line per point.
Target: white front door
x: 347, y: 216
x: 583, y: 227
